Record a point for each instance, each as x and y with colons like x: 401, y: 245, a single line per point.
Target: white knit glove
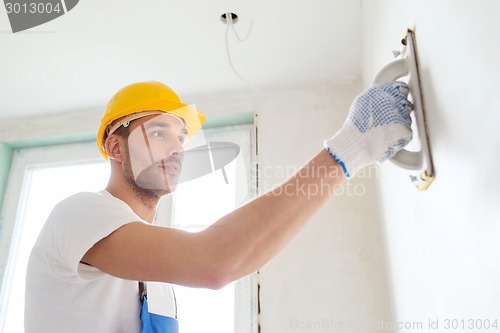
x: 377, y: 127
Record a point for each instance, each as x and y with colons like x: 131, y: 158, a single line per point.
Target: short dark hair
x: 121, y: 131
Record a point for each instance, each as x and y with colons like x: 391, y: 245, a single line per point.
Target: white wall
x: 443, y: 244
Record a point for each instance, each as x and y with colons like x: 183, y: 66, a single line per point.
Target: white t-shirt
x: 64, y: 295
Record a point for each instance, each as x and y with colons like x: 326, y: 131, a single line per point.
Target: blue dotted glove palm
x: 377, y: 127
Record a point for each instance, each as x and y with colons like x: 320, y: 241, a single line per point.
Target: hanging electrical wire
x: 228, y: 19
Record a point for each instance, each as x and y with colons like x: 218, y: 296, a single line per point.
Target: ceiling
x: 79, y: 60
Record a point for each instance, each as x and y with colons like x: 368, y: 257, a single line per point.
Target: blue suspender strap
x: 155, y: 323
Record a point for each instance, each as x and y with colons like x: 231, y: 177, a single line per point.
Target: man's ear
x: 114, y: 147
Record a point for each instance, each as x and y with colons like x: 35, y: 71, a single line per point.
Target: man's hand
x: 377, y: 127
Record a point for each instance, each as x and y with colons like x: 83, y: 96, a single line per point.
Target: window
x: 32, y: 192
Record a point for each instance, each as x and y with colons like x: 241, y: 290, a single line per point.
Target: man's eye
x: 159, y: 134
x: 182, y: 139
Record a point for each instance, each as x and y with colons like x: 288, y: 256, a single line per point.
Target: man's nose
x: 177, y: 148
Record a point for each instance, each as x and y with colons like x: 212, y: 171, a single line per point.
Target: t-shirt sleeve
x: 75, y: 225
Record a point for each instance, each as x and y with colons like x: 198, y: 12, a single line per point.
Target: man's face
x: 155, y: 153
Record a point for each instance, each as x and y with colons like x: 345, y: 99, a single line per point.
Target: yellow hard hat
x: 147, y: 96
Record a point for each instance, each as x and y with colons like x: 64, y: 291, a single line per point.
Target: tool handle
x: 391, y: 72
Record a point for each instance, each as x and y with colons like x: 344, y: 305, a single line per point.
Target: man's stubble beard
x: 147, y: 189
